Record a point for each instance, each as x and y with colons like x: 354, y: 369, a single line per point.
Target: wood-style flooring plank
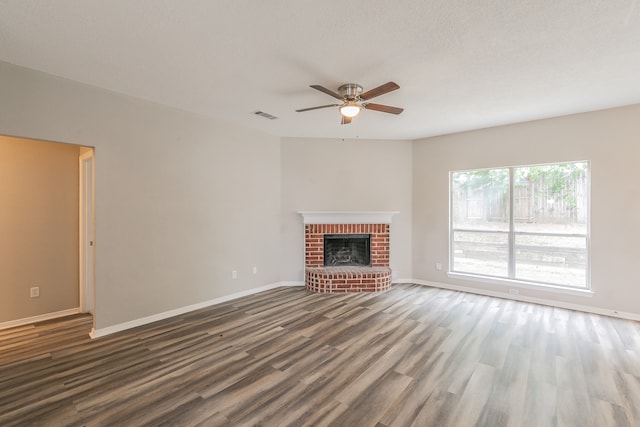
x: 412, y: 356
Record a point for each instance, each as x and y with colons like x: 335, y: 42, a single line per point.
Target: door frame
x: 87, y: 232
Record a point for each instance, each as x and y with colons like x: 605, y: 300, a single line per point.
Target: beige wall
x: 609, y: 139
x: 345, y: 175
x: 38, y: 227
x: 181, y: 200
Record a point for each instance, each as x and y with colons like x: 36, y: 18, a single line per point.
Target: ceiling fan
x: 353, y: 100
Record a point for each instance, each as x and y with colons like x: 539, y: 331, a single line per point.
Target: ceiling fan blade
x: 384, y: 108
x: 345, y: 120
x: 327, y: 91
x: 380, y: 90
x: 317, y: 108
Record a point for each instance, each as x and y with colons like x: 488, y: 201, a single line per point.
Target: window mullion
x: 512, y: 239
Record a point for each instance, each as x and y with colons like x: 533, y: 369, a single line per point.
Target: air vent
x: 265, y: 115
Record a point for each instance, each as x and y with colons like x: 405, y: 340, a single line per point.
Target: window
x: 525, y: 223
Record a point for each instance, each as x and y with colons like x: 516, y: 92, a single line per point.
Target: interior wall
x: 609, y: 139
x: 181, y: 199
x: 38, y: 227
x: 345, y: 175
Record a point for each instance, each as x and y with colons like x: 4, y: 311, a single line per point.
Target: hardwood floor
x: 413, y: 356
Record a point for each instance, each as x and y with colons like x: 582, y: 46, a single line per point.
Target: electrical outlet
x: 234, y: 274
x: 438, y: 266
x: 34, y: 292
x: 255, y: 270
x: 514, y: 291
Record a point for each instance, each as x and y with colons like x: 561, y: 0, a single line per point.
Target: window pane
x: 545, y: 239
x: 551, y: 198
x: 481, y: 253
x: 551, y: 259
x: 480, y: 199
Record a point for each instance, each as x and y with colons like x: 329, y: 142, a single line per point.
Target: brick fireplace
x: 344, y: 275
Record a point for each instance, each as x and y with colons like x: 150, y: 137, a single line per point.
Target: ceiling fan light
x: 350, y: 109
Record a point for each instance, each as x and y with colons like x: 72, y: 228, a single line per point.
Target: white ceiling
x: 460, y: 64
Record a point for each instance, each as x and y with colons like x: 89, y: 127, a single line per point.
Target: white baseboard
x: 291, y: 284
x: 39, y: 318
x: 541, y: 301
x: 409, y: 281
x: 101, y: 332
x: 96, y: 333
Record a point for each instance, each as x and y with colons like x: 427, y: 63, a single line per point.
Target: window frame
x: 511, y: 279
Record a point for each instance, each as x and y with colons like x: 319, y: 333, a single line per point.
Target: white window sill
x: 522, y: 284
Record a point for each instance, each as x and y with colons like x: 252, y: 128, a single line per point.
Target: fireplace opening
x: 347, y: 250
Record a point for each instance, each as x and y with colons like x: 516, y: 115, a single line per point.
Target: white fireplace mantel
x: 347, y: 217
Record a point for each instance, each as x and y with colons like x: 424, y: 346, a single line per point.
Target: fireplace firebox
x: 341, y: 250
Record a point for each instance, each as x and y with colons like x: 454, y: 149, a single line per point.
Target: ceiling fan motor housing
x: 350, y: 91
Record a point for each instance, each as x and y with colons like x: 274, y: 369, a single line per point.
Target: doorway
x: 41, y: 185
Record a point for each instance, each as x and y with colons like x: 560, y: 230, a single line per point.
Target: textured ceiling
x: 461, y: 65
